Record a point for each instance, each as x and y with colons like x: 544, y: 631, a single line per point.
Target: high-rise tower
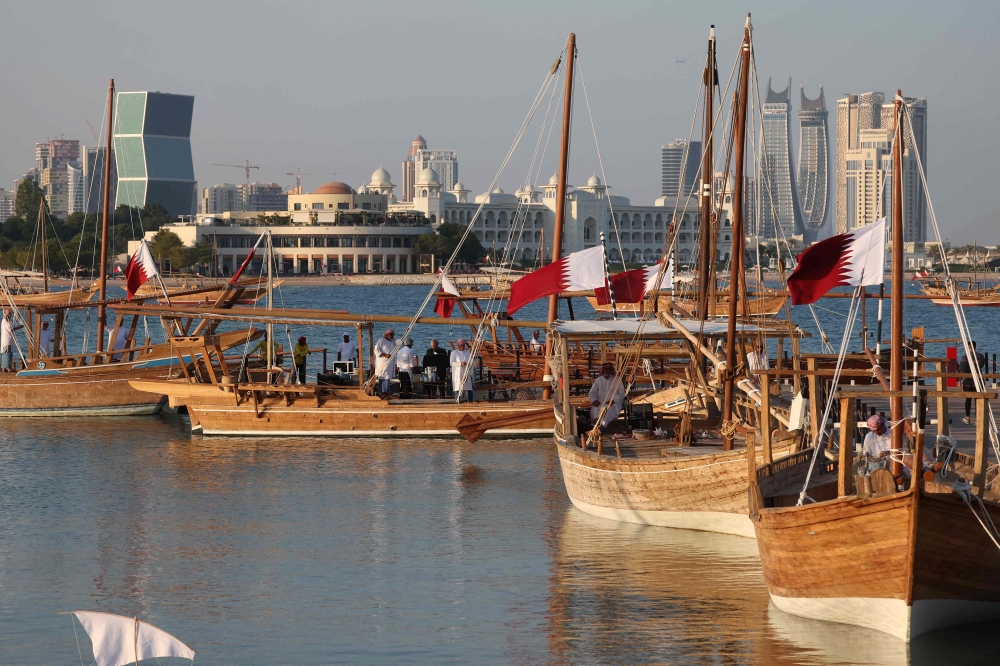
x: 780, y: 214
x: 854, y: 113
x: 814, y: 161
x: 679, y: 165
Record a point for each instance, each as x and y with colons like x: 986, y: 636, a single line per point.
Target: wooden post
x: 102, y: 312
x: 796, y: 365
x: 765, y: 419
x: 706, y: 271
x: 815, y: 400
x: 944, y: 428
x: 845, y: 473
x: 897, y: 342
x: 982, y: 456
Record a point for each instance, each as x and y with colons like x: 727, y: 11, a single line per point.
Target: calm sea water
x: 308, y: 551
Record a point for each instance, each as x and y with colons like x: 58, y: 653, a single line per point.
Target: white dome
x: 554, y: 180
x: 458, y: 187
x: 381, y: 177
x: 497, y: 191
x: 594, y: 181
x: 428, y: 177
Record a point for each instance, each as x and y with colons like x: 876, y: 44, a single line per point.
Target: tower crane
x: 246, y: 166
x: 298, y: 176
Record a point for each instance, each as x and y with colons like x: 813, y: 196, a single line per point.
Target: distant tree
x: 27, y: 200
x: 443, y: 244
x: 168, y: 245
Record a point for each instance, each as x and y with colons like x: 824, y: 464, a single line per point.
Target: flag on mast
x: 445, y: 303
x: 579, y: 271
x: 139, y: 269
x: 855, y: 259
x: 632, y: 286
x: 246, y: 262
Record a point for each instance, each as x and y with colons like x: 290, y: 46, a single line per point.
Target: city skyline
x: 281, y: 123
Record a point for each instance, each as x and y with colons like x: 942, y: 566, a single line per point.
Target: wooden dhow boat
x: 900, y: 555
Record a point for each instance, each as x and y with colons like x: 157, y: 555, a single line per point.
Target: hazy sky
x: 345, y: 87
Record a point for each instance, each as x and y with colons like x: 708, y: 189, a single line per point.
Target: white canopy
x: 650, y: 327
x: 122, y: 640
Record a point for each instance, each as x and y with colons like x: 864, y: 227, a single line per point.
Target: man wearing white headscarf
x: 606, y: 389
x: 385, y: 352
x: 461, y: 365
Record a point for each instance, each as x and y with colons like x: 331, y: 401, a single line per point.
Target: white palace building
x: 338, y: 228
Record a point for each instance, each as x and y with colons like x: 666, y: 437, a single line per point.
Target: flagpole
x: 607, y: 280
x: 102, y: 311
x: 736, y: 264
x: 896, y: 321
x: 560, y: 198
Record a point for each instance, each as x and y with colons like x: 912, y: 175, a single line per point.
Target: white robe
x: 45, y: 342
x: 404, y: 360
x: 600, y: 393
x: 457, y: 370
x: 384, y: 366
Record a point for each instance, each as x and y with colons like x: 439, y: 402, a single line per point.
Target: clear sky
x: 345, y: 87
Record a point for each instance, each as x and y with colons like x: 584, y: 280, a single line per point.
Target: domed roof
x: 554, y: 180
x: 458, y: 187
x: 381, y: 177
x: 594, y: 181
x: 334, y: 188
x: 428, y: 177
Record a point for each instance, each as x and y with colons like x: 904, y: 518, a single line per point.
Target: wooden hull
x: 53, y: 298
x: 970, y: 302
x: 349, y: 413
x: 856, y: 560
x: 696, y: 491
x: 760, y: 306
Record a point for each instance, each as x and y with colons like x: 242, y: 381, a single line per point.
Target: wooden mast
x: 896, y: 343
x: 561, y: 194
x: 739, y: 134
x: 45, y: 255
x: 102, y: 310
x: 705, y: 272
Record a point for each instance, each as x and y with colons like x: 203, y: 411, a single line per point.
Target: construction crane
x: 246, y: 166
x: 298, y: 176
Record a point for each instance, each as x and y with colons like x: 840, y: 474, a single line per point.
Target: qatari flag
x: 579, y: 271
x: 632, y: 286
x: 139, y: 269
x: 853, y: 259
x: 246, y: 262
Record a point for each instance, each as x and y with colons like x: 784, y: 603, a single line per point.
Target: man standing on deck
x: 299, y: 353
x: 437, y: 358
x: 606, y: 389
x: 757, y: 360
x: 461, y: 367
x: 347, y: 350
x: 6, y: 340
x: 385, y: 350
x: 45, y: 340
x: 968, y: 384
x: 404, y: 368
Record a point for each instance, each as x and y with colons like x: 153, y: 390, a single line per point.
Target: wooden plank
x: 845, y: 478
x: 765, y: 422
x: 943, y: 425
x: 982, y: 455
x: 815, y: 401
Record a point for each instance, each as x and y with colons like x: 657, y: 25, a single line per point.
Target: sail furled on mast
x: 120, y: 640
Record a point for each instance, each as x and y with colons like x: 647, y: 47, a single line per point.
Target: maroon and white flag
x: 632, y: 286
x: 139, y: 269
x: 246, y: 262
x: 853, y: 259
x: 445, y: 301
x: 579, y: 271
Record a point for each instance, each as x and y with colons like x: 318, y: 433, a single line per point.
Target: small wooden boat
x: 972, y: 294
x: 758, y: 306
x: 251, y: 292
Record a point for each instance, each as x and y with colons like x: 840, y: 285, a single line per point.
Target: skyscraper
x: 419, y: 158
x: 864, y: 163
x: 814, y: 161
x: 678, y: 172
x: 220, y: 199
x: 92, y: 162
x: 153, y: 151
x: 53, y: 160
x: 780, y: 215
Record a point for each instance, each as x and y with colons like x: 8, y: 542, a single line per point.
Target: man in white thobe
x: 347, y: 350
x: 757, y: 360
x: 385, y: 352
x: 45, y: 340
x: 536, y: 344
x: 404, y: 368
x: 461, y: 365
x: 607, y: 389
x: 6, y: 341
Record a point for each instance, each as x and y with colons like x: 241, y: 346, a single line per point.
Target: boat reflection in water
x: 640, y: 594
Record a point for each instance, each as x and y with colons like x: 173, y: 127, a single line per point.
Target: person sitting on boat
x: 437, y: 358
x: 121, y: 341
x: 405, y: 361
x: 967, y: 383
x: 45, y: 340
x: 608, y: 389
x: 535, y: 344
x: 878, y: 445
x: 299, y: 353
x: 6, y: 340
x: 757, y: 360
x: 461, y: 360
x: 385, y: 351
x: 347, y: 350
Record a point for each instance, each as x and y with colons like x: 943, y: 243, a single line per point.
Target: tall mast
x: 45, y: 254
x: 896, y: 343
x: 561, y: 191
x: 705, y: 269
x: 270, y: 293
x: 737, y: 252
x: 102, y: 310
